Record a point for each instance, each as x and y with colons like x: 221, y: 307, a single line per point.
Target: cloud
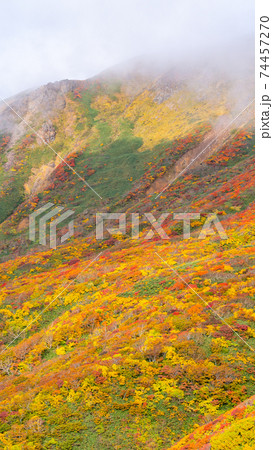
x: 49, y: 41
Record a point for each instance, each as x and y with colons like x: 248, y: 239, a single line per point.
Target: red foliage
x: 4, y: 140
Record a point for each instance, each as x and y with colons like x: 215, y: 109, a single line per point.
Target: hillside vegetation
x: 128, y: 343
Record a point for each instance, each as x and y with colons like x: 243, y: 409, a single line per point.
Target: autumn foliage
x: 123, y: 343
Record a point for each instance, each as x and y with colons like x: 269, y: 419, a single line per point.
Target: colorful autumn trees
x: 140, y: 356
x: 122, y: 352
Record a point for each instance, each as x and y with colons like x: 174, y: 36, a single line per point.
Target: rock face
x: 34, y: 106
x: 38, y: 181
x: 166, y: 86
x: 48, y: 131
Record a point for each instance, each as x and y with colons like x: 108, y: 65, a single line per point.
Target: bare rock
x: 48, y: 131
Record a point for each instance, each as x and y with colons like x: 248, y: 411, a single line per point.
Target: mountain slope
x: 111, y: 129
x: 121, y: 342
x: 234, y: 429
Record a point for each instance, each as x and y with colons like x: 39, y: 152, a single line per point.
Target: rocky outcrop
x: 33, y: 108
x: 48, y: 132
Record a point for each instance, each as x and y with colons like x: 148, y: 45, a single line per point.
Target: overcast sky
x: 49, y: 40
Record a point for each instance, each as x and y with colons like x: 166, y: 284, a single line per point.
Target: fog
x: 53, y: 40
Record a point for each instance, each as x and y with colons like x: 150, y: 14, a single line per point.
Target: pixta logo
x: 212, y: 225
x: 45, y: 219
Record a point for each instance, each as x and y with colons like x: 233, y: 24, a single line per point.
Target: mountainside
x: 117, y: 131
x: 120, y: 342
x: 234, y: 429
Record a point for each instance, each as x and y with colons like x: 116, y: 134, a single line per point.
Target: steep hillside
x: 235, y: 429
x: 128, y: 343
x: 113, y: 131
